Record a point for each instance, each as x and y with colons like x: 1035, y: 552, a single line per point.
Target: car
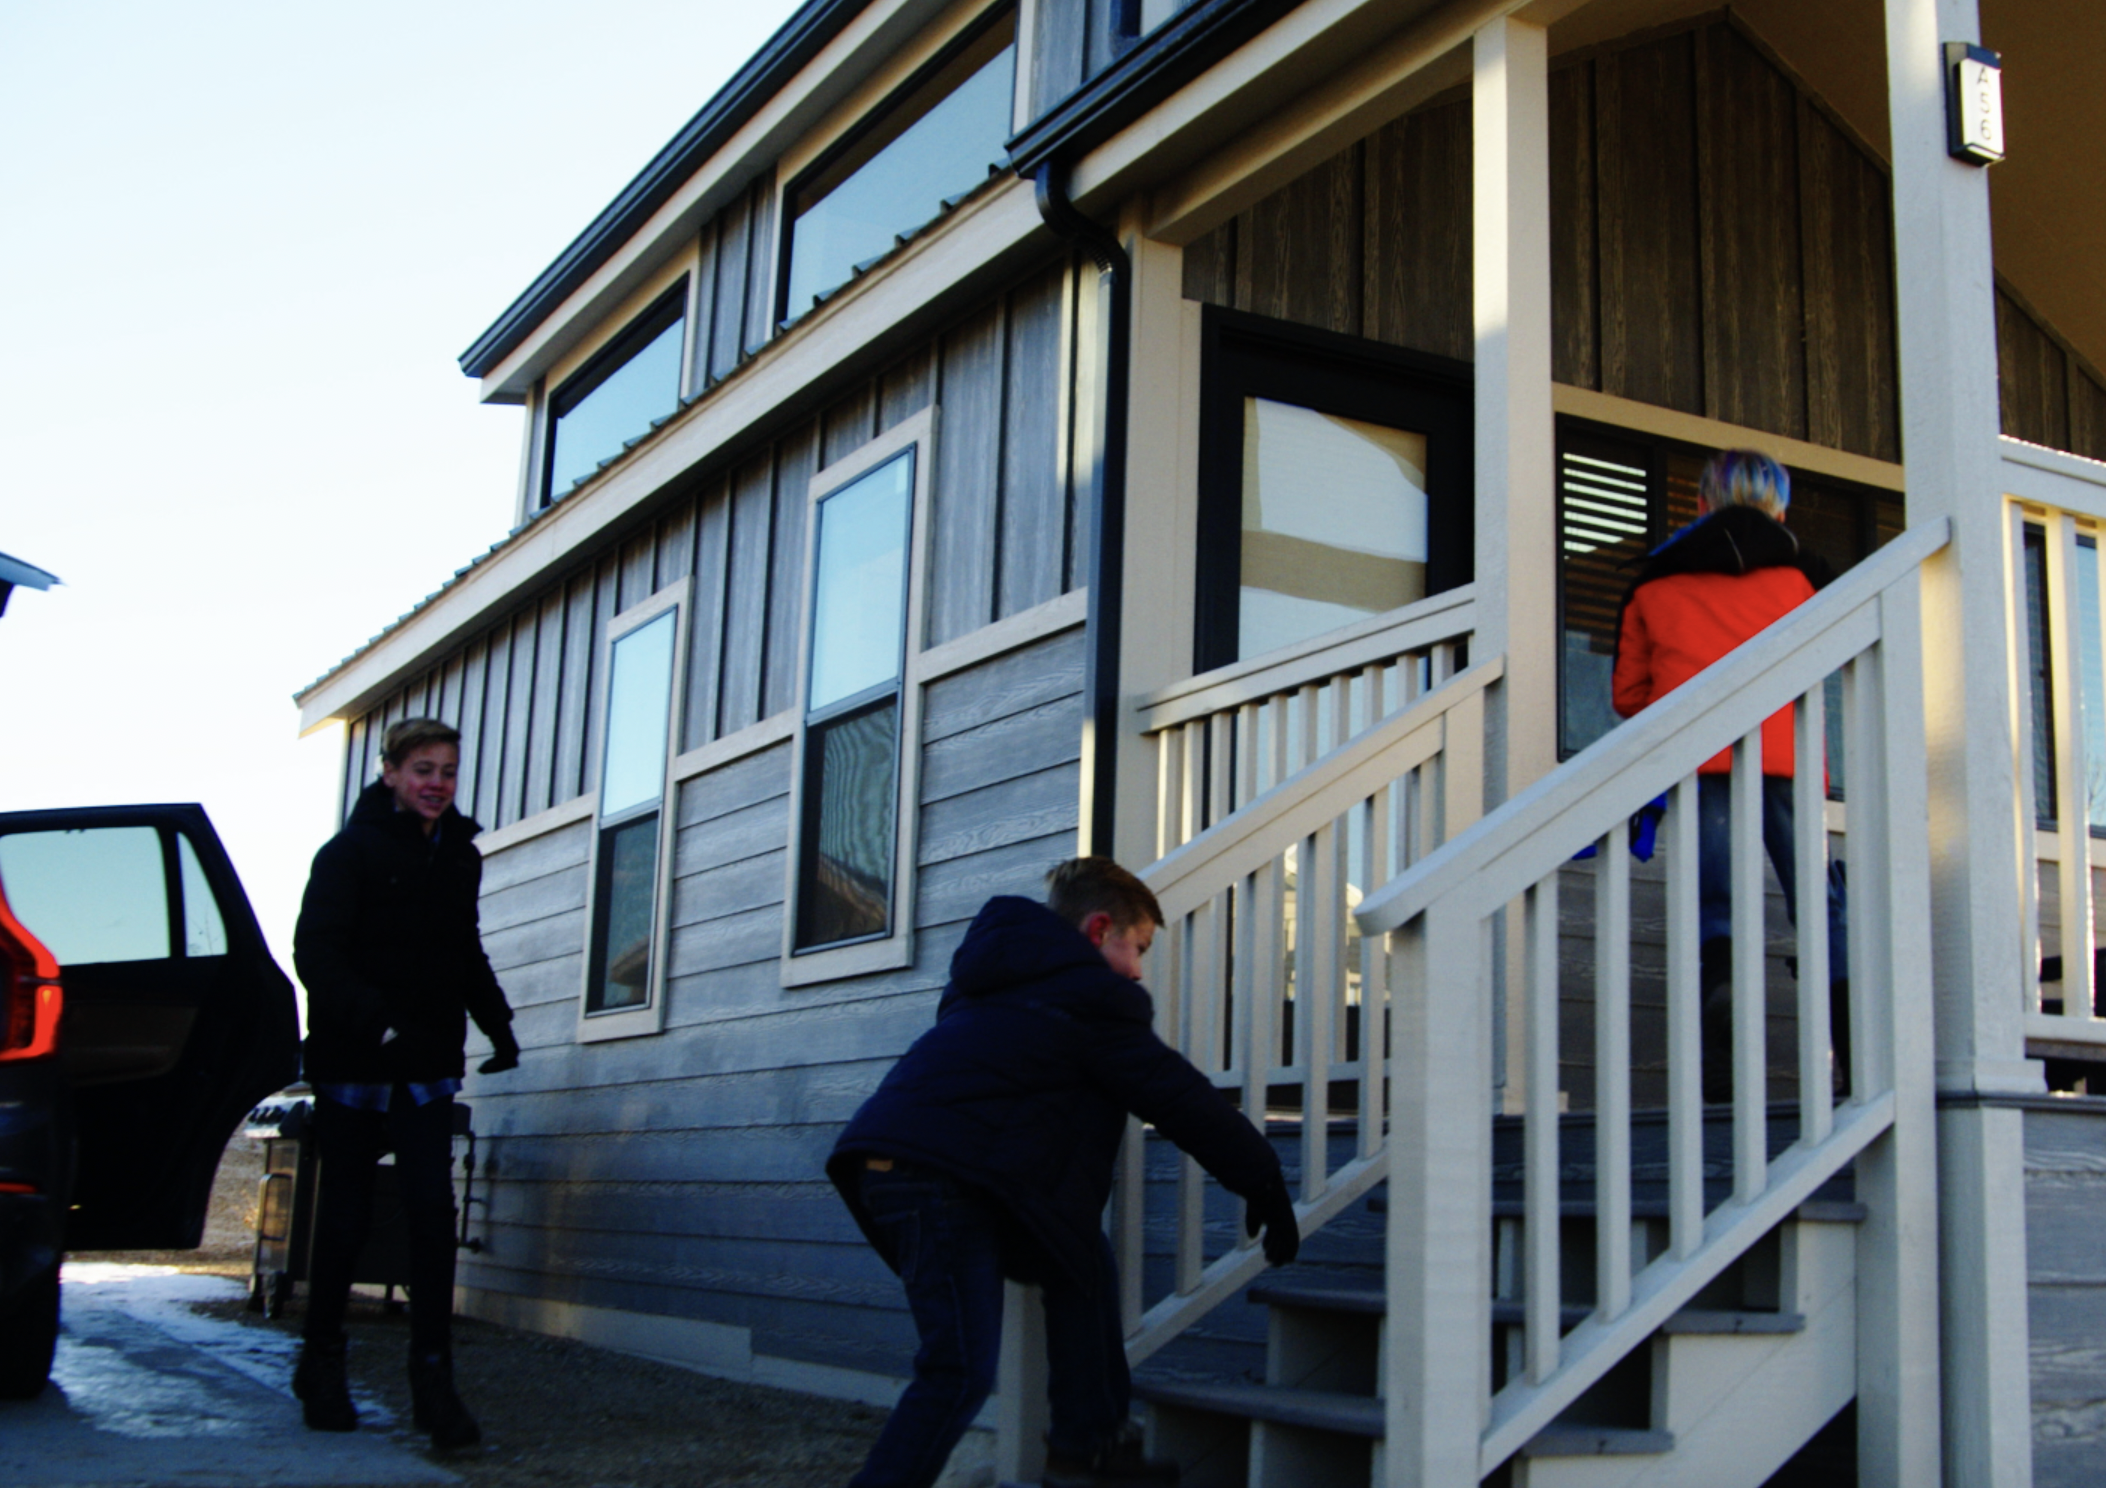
x: 143, y: 1017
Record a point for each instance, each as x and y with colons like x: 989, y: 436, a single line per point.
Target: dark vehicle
x: 143, y: 1017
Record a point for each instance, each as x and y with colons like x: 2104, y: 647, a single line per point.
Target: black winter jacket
x: 388, y: 938
x: 1022, y: 1089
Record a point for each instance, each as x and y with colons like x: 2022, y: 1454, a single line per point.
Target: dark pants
x: 350, y: 1143
x: 948, y: 1243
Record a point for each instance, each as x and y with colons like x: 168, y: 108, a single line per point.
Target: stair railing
x: 1259, y: 976
x: 1447, y: 922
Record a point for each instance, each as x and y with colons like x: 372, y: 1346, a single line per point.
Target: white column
x: 1947, y: 322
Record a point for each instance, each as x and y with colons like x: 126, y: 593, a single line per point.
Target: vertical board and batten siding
x: 2065, y: 1160
x: 2049, y: 394
x: 1720, y: 245
x: 681, y: 1175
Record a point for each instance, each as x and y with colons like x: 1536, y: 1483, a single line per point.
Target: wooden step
x: 1367, y: 1302
x: 1598, y: 1441
x: 1322, y: 1410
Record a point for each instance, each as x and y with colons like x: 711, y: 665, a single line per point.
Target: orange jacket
x: 1676, y: 625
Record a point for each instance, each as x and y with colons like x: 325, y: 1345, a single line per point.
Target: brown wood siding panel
x: 907, y: 387
x: 519, y: 741
x: 474, y: 668
x: 760, y: 273
x: 746, y: 594
x: 1417, y: 233
x: 676, y: 544
x: 548, y: 694
x: 1210, y: 267
x: 1057, y: 56
x: 706, y: 638
x: 851, y: 423
x: 968, y: 466
x: 1575, y: 332
x: 1033, y: 534
x: 1852, y: 388
x: 578, y: 663
x: 733, y: 245
x: 603, y: 596
x: 2032, y: 378
x: 2087, y: 414
x: 796, y: 462
x: 355, y: 736
x: 1302, y: 248
x: 1749, y: 239
x: 490, y: 741
x: 450, y: 691
x: 701, y: 334
x: 1651, y: 348
x: 638, y: 570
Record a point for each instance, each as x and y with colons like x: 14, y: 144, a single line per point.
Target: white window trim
x: 896, y: 949
x: 650, y: 1018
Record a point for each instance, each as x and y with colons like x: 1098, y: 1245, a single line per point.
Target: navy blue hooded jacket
x: 1022, y: 1089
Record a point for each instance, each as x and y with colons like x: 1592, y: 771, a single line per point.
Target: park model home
x: 1220, y: 435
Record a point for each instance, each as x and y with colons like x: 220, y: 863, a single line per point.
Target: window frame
x: 670, y: 306
x: 595, y: 1026
x: 895, y: 948
x: 1251, y: 356
x: 880, y: 116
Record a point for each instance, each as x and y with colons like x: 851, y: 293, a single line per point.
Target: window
x: 855, y: 778
x: 1334, y: 484
x: 1620, y: 495
x: 104, y: 895
x: 615, y: 397
x: 632, y: 843
x: 936, y: 141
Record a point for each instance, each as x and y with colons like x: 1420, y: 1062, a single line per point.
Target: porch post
x: 1946, y: 313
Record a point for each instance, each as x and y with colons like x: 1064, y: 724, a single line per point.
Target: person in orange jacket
x: 1716, y: 583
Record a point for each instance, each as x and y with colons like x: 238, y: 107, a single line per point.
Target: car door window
x: 204, y: 932
x: 95, y: 895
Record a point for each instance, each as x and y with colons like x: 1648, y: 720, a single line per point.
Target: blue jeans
x: 948, y: 1244
x: 1714, y: 864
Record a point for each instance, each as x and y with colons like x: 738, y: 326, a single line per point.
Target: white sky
x: 241, y: 245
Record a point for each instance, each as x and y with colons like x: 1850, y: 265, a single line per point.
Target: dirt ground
x: 558, y: 1414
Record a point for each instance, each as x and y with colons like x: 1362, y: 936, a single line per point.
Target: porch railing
x: 2057, y: 512
x: 1446, y: 921
x: 1259, y: 975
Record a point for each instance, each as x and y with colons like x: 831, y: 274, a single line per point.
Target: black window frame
x: 667, y: 310
x: 1252, y: 356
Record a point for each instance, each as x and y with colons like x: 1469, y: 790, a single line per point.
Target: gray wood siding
x: 2066, y: 1270
x: 682, y: 1174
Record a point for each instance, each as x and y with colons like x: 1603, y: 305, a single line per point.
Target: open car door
x: 177, y: 1020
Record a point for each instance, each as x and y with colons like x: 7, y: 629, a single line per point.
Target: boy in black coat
x: 987, y: 1153
x: 388, y: 947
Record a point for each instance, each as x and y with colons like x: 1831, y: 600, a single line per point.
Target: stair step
x: 1322, y: 1297
x: 1325, y: 1410
x: 1813, y: 1211
x: 1710, y: 1320
x: 1598, y: 1441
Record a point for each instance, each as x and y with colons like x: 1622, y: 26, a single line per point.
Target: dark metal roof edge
x: 20, y: 571
x: 1157, y: 66
x: 786, y: 52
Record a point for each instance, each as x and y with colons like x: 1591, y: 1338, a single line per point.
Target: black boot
x: 322, y: 1388
x: 1118, y: 1462
x: 434, y: 1405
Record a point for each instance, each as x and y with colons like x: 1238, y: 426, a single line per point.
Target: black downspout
x: 1107, y: 516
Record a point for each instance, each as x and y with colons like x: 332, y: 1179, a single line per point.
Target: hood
x: 1019, y: 946
x: 376, y: 808
x: 1735, y: 541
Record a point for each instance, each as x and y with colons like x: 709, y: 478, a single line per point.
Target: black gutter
x: 1107, y: 516
x: 763, y: 76
x: 1175, y: 53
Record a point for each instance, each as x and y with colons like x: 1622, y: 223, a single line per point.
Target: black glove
x: 504, y: 1053
x: 1273, y: 1212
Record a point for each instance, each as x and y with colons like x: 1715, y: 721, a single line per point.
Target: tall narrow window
x: 850, y: 874
x: 624, y: 977
x: 615, y: 396
x: 935, y: 142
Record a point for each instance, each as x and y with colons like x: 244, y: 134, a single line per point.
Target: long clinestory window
x: 1334, y: 484
x: 851, y: 866
x: 631, y: 854
x: 931, y: 144
x: 615, y: 396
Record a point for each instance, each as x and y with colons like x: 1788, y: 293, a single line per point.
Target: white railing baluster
x: 1247, y: 718
x: 1200, y: 972
x: 2065, y: 629
x: 1612, y: 1072
x: 1810, y: 870
x: 1540, y: 1196
x: 1317, y: 977
x: 1867, y: 821
x: 1685, y: 1078
x: 1751, y: 1149
x: 1269, y: 984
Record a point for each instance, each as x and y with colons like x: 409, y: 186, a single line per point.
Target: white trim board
x: 1692, y: 428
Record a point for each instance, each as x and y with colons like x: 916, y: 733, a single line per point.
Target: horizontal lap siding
x: 681, y: 1175
x: 2066, y: 1266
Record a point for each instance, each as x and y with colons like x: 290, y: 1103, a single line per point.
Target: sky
x: 241, y: 248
